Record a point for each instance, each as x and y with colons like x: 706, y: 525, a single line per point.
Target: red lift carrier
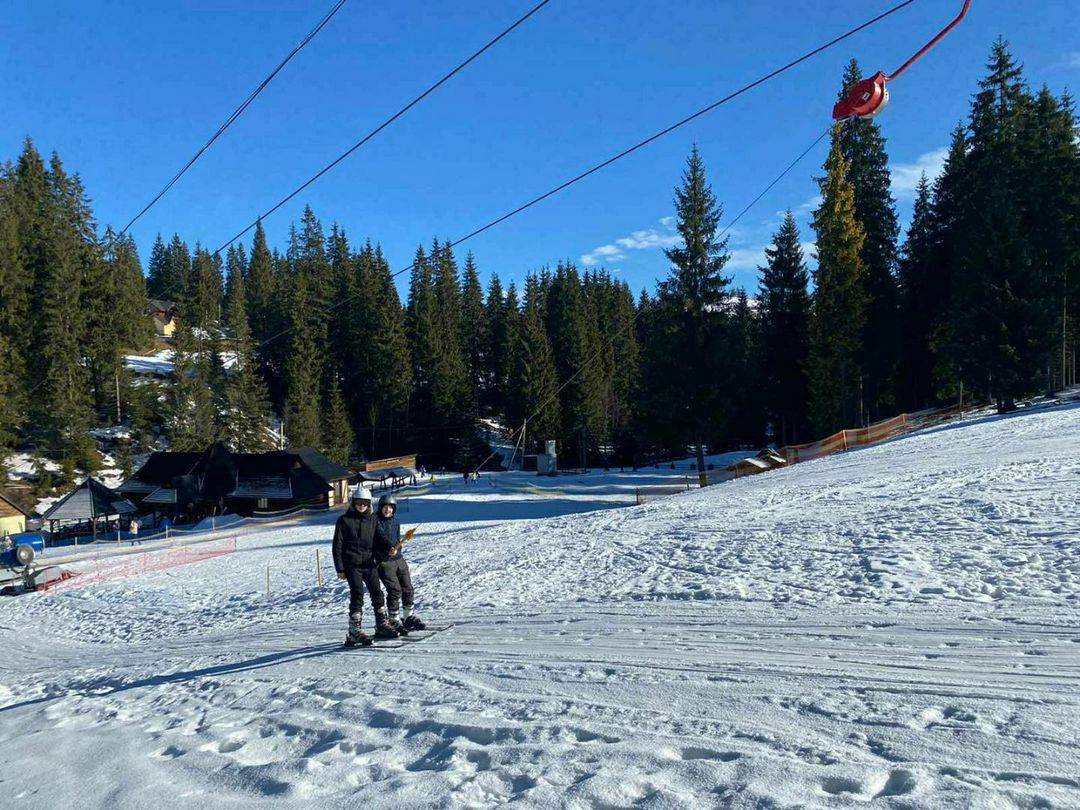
x: 869, y: 97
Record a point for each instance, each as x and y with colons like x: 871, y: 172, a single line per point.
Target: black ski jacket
x: 357, y: 541
x: 390, y: 534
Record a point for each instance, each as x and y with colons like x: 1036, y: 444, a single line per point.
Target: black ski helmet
x: 388, y: 500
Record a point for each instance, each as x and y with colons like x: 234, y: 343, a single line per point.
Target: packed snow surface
x: 896, y: 626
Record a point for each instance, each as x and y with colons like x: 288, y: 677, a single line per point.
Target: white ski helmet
x: 361, y: 493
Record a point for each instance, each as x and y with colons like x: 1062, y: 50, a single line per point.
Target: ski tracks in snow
x: 635, y: 706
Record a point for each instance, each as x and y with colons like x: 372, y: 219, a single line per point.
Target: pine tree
x: 265, y: 312
x: 303, y: 371
x: 491, y: 382
x: 948, y: 203
x: 746, y: 420
x: 115, y: 308
x: 695, y: 296
x: 337, y: 432
x: 535, y: 383
x: 1052, y: 217
x: 863, y: 147
x: 176, y: 274
x: 202, y: 303
x: 157, y: 269
x: 246, y: 416
x: 474, y: 327
x: 14, y: 303
x: 421, y: 318
x: 575, y: 341
x: 784, y: 302
x: 393, y: 369
x: 1000, y: 314
x: 918, y: 306
x: 837, y: 315
x: 191, y: 422
x: 61, y: 410
x: 451, y: 389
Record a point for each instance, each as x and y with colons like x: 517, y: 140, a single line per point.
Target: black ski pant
x: 395, y: 577
x: 358, y: 579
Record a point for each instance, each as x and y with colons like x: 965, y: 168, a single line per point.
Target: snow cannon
x: 18, y: 563
x: 20, y: 550
x: 867, y: 98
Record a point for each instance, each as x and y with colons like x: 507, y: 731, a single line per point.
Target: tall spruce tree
x: 491, y: 380
x: 918, y: 304
x: 837, y: 315
x: 784, y: 301
x: 303, y: 370
x: 451, y: 389
x: 156, y: 268
x: 422, y: 320
x: 393, y: 368
x: 192, y: 415
x: 14, y: 304
x: 61, y: 412
x: 474, y: 327
x: 337, y: 432
x: 1000, y: 307
x: 694, y: 296
x: 863, y: 147
x: 1052, y: 216
x: 535, y: 382
x: 114, y: 302
x: 246, y: 417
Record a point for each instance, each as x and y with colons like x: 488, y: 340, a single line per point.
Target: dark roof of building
x: 90, y: 500
x: 160, y: 305
x: 320, y: 465
x: 218, y: 473
x: 160, y: 469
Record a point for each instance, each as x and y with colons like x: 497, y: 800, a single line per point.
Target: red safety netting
x: 133, y: 565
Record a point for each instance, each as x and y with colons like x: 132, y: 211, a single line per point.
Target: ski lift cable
x: 237, y: 113
x: 604, y: 164
x: 518, y: 22
x: 633, y: 325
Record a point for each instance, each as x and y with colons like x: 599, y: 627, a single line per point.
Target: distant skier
x: 394, y: 570
x: 358, y: 548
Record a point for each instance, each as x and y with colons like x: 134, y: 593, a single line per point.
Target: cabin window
x: 263, y: 503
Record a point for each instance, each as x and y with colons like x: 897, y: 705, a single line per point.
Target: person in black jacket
x: 358, y: 549
x: 394, y: 571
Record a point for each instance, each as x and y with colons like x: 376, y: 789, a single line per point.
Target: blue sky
x: 127, y: 90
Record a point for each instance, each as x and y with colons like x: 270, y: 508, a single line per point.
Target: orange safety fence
x: 860, y: 437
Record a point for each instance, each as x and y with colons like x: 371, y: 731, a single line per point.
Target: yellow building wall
x: 12, y: 525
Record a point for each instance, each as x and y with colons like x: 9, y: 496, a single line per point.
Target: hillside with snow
x: 898, y: 625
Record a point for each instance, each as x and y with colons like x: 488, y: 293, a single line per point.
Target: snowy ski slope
x: 898, y: 626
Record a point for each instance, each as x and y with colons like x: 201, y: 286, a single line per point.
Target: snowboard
x: 381, y: 644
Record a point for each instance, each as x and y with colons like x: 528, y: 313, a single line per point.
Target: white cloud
x: 651, y: 238
x: 609, y: 253
x: 905, y: 176
x: 1072, y: 60
x: 647, y: 239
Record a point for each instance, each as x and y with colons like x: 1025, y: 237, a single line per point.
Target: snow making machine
x: 21, y: 569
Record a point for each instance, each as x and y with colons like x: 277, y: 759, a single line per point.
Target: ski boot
x: 401, y: 629
x: 413, y: 622
x: 383, y: 628
x: 356, y: 636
